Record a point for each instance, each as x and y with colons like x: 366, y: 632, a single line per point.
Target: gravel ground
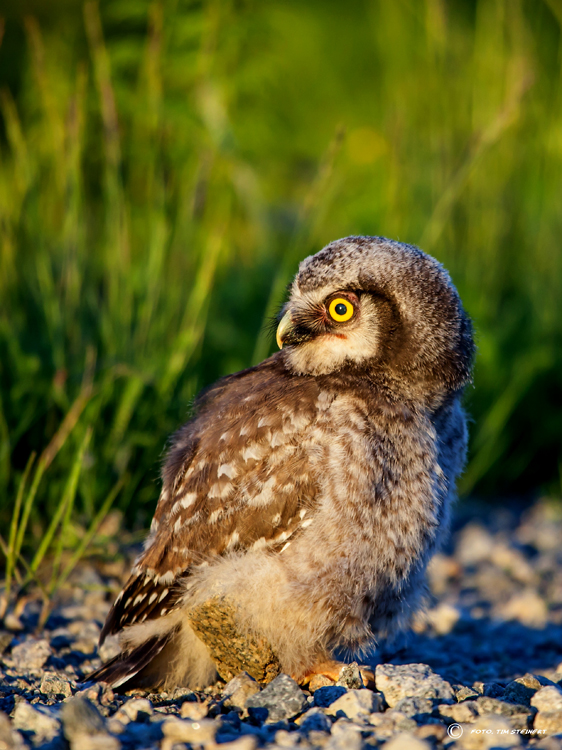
x: 482, y: 669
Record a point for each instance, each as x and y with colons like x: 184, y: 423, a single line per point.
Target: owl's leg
x: 331, y: 669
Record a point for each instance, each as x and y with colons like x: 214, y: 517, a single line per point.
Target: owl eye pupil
x: 340, y: 308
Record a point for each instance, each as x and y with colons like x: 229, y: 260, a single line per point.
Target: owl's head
x: 377, y: 305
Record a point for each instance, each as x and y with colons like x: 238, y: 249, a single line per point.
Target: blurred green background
x: 165, y: 165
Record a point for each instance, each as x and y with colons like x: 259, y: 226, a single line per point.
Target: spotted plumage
x: 312, y: 489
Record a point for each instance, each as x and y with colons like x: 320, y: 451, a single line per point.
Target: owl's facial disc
x: 325, y: 330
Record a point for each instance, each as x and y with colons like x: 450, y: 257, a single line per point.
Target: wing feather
x: 236, y: 478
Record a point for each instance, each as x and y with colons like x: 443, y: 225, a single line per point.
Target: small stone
x: 527, y: 607
x: 356, y: 705
x: 5, y: 639
x: 84, y: 727
x: 31, y: 654
x: 548, y: 698
x: 325, y: 696
x: 433, y: 732
x: 195, y: 732
x: 314, y: 720
x: 406, y: 741
x: 10, y: 739
x: 522, y: 689
x: 549, y: 743
x: 345, y: 736
x: 350, y: 677
x: 549, y: 722
x: 463, y: 693
x: 138, y: 709
x: 487, y: 733
x: 443, y: 618
x: 319, y: 681
x: 461, y: 713
x: 281, y: 699
x: 475, y: 544
x: 54, y: 684
x: 415, y: 708
x: 238, y: 690
x: 411, y: 681
x: 194, y: 710
x: 37, y: 719
x: 520, y: 716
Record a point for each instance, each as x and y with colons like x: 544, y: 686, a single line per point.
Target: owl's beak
x: 283, y: 328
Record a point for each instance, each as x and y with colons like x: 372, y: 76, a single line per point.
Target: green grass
x: 163, y: 168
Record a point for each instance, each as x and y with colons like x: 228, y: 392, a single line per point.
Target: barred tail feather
x: 159, y: 654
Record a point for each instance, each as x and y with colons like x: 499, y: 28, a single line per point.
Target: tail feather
x: 117, y: 672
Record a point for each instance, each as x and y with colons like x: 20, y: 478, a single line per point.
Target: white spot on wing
x: 259, y: 543
x: 233, y: 541
x: 215, y: 515
x: 227, y: 470
x: 306, y: 524
x: 163, y: 594
x: 188, y: 499
x: 153, y: 597
x: 265, y: 496
x: 139, y: 599
x: 284, y: 547
x: 252, y: 452
x: 167, y: 577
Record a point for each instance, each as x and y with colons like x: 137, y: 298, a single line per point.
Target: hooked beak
x: 283, y: 328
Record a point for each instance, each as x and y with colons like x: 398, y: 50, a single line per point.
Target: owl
x: 311, y: 490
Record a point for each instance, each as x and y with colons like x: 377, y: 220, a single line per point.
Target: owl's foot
x: 331, y: 669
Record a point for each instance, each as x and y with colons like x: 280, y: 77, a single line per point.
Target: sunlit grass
x: 160, y: 183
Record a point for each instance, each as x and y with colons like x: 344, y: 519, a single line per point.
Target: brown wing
x: 236, y: 477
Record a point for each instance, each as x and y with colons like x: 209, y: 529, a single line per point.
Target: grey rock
x: 54, y: 684
x: 314, y: 720
x: 10, y: 739
x: 463, y: 693
x: 281, y: 699
x: 356, y: 704
x: 80, y: 717
x: 5, y: 639
x: 37, y: 719
x: 396, y: 682
x: 238, y: 690
x: 195, y: 732
x: 138, y: 709
x: 31, y: 654
x: 548, y: 698
x: 345, y: 736
x: 325, y: 696
x: 549, y: 722
x: 194, y: 710
x: 415, y: 708
x: 522, y: 689
x: 461, y: 713
x: 550, y: 743
x: 520, y: 716
x: 350, y: 677
x: 406, y: 741
x: 488, y: 733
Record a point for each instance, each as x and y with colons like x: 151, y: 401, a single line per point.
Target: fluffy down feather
x: 311, y: 490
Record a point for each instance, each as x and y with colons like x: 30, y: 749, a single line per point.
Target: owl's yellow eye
x: 341, y: 310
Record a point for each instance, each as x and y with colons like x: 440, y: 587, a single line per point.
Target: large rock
x: 31, y: 654
x: 232, y: 650
x: 281, y: 699
x: 40, y: 720
x: 396, y: 682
